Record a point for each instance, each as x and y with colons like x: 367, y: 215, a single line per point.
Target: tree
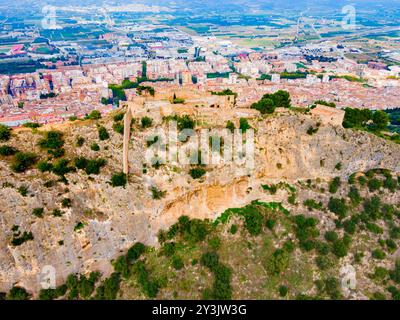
x: 146, y: 122
x: 265, y: 105
x: 338, y: 207
x: 380, y: 119
x: 340, y: 248
x: 135, y: 252
x: 281, y: 99
x: 119, y: 179
x: 94, y: 115
x: 5, y: 133
x: 244, y: 124
x: 278, y: 262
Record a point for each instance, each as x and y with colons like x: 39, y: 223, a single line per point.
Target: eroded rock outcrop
x: 114, y: 218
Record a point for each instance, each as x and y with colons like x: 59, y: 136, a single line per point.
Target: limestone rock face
x: 114, y: 218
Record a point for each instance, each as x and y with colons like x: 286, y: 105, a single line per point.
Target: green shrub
x: 197, y: 173
x: 230, y: 126
x: 372, y: 207
x: 52, y: 140
x: 374, y: 184
x: 331, y: 236
x: 44, y: 166
x: 352, y: 178
x: 350, y: 225
x: 270, y: 224
x: 374, y: 228
x: 18, y: 238
x: 81, y: 163
x: 306, y: 231
x: 332, y: 288
x: 214, y: 243
x: 156, y: 193
x: 270, y: 101
x: 354, y: 196
x: 283, y: 291
x: 95, y: 147
x: 390, y: 184
x: 146, y: 122
x: 210, y: 260
x: 108, y: 290
x: 324, y: 262
x: 38, y: 212
x: 149, y: 287
x: 244, y: 124
x: 362, y: 180
x: 391, y: 245
x: 66, y: 203
x: 395, y: 232
x: 51, y: 294
x: 23, y: 190
x: 57, y: 213
x: 168, y: 249
x: 311, y: 130
x: 395, y: 273
x: 185, y: 122
x: 31, y: 125
x: 221, y: 288
x: 94, y: 166
x: 338, y: 166
x: 80, y: 141
x: 61, y: 167
x: 322, y: 248
x: 378, y: 254
x: 312, y: 204
x: 7, y: 151
x: 233, y: 229
x: 5, y: 133
x: 119, y: 116
x: 57, y: 153
x: 340, y: 248
x: 278, y: 262
x: 119, y: 179
x: 118, y: 127
x: 338, y: 207
x: 253, y: 220
x: 80, y: 225
x: 135, y: 252
x: 18, y: 293
x: 94, y: 115
x: 23, y: 161
x: 177, y: 263
x: 103, y: 133
x: 334, y: 185
x: 192, y: 231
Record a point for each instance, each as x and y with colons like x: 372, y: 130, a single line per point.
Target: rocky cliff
x: 110, y: 218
